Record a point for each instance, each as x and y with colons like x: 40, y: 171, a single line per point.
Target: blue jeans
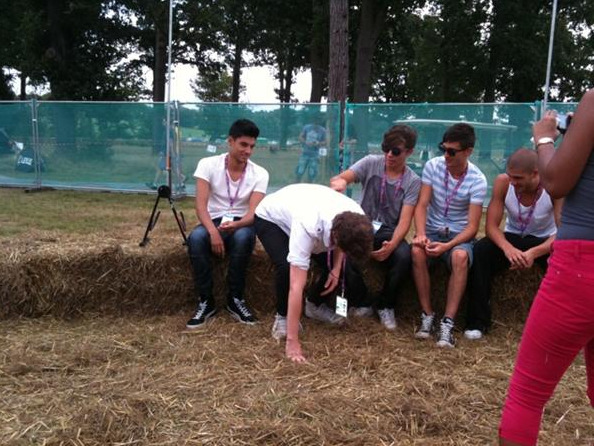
x: 238, y: 249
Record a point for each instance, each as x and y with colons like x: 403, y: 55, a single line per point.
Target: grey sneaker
x: 360, y: 311
x: 426, y: 326
x: 387, y: 318
x: 446, y: 336
x: 279, y: 328
x: 322, y: 313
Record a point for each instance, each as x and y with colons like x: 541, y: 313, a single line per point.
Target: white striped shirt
x: 472, y: 190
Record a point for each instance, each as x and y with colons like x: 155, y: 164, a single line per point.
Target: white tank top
x: 540, y: 224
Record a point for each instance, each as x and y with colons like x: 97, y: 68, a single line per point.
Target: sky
x: 259, y: 83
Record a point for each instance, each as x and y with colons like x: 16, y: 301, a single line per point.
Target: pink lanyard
x: 329, y: 264
x: 450, y: 198
x: 525, y: 222
x: 397, y: 186
x: 227, y: 177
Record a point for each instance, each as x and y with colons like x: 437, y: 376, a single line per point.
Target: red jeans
x: 560, y: 324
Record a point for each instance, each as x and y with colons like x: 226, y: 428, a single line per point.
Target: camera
x: 563, y: 122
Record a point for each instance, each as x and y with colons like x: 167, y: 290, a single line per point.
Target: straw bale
x: 69, y: 277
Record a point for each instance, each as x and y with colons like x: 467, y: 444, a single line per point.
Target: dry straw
x: 102, y: 358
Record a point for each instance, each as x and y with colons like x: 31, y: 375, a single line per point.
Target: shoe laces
x: 201, y: 310
x: 445, y: 331
x: 241, y: 306
x: 426, y: 322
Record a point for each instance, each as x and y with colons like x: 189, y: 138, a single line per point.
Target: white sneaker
x: 279, y: 328
x: 426, y: 326
x: 473, y: 335
x: 360, y: 311
x: 322, y: 313
x: 446, y: 337
x: 387, y: 318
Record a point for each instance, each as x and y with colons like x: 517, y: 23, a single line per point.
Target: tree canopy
x: 407, y: 51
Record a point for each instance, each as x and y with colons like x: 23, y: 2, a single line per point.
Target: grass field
x: 141, y: 379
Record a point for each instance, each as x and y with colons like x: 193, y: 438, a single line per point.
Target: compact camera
x: 563, y: 122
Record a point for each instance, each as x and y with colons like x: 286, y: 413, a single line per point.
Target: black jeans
x: 489, y: 260
x: 276, y: 245
x: 398, y: 264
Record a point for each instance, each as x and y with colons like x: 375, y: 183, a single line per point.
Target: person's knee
x: 244, y: 240
x: 418, y: 256
x: 198, y: 239
x: 459, y: 260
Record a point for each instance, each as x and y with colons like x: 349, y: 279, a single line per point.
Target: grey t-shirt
x: 385, y: 205
x: 577, y: 216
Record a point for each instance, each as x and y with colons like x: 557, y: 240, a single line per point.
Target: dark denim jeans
x: 238, y: 249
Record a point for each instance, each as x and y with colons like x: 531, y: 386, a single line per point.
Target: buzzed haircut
x: 400, y: 134
x: 461, y: 133
x: 523, y: 159
x: 243, y: 127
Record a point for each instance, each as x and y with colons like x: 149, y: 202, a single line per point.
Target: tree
x: 215, y: 87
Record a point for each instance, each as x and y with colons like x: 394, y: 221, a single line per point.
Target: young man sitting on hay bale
x: 530, y: 229
x: 447, y: 219
x: 228, y: 189
x: 301, y: 222
x: 389, y: 196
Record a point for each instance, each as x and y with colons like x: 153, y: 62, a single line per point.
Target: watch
x: 544, y: 140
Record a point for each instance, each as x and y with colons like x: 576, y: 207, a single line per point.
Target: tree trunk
x: 318, y: 55
x: 371, y: 24
x: 23, y: 87
x: 339, y: 51
x: 236, y: 71
x: 160, y: 69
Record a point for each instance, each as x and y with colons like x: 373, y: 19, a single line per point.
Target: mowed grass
x: 98, y: 379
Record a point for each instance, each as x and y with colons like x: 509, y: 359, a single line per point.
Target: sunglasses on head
x: 451, y: 152
x: 394, y: 150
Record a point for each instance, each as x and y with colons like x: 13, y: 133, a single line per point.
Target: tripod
x: 164, y: 192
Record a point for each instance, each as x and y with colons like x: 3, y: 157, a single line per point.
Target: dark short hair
x: 462, y: 133
x: 523, y: 159
x: 353, y: 234
x: 400, y: 134
x: 243, y: 127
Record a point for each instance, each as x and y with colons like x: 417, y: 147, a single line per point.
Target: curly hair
x: 353, y: 234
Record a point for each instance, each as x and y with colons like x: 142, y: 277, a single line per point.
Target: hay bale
x: 67, y: 279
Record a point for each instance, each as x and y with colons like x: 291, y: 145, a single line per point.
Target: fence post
x: 37, y: 157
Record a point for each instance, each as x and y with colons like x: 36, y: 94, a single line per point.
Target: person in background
x: 390, y: 190
x: 447, y: 218
x: 312, y: 138
x: 561, y: 320
x: 299, y: 223
x: 530, y: 228
x: 228, y: 189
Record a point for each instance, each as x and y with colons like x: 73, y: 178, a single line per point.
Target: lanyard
x: 397, y: 186
x: 227, y: 177
x: 450, y: 198
x: 329, y: 264
x: 524, y: 222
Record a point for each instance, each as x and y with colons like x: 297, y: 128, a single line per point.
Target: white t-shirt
x: 212, y: 170
x: 305, y: 213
